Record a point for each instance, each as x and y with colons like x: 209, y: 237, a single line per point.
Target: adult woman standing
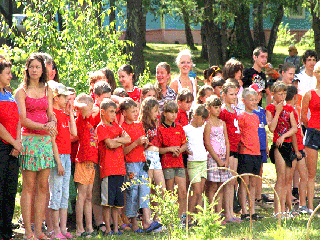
x: 10, y: 147
x: 184, y: 63
x: 311, y: 100
x: 164, y: 92
x: 34, y: 100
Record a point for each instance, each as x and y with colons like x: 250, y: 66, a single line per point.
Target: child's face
x: 125, y: 79
x: 151, y: 93
x: 199, y: 120
x: 185, y: 64
x: 250, y: 102
x: 288, y: 76
x: 184, y: 105
x: 154, y: 113
x: 208, y: 94
x: 109, y: 114
x: 90, y: 107
x: 279, y: 96
x: 100, y: 98
x: 217, y: 90
x: 72, y: 97
x: 231, y: 96
x: 61, y: 100
x: 162, y: 75
x: 170, y: 117
x: 238, y: 75
x: 215, y: 110
x: 131, y: 114
x: 261, y: 60
x: 310, y: 63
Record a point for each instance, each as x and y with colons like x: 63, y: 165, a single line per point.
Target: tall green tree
x: 78, y: 49
x: 314, y: 8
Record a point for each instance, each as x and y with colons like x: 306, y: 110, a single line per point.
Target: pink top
x: 218, y: 142
x: 37, y: 112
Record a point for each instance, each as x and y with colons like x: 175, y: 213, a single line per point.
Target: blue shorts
x: 264, y: 158
x: 59, y: 185
x: 137, y: 193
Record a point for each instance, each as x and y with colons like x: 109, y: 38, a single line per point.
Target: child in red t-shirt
x: 281, y: 122
x: 86, y: 159
x: 173, y: 143
x: 59, y: 194
x: 137, y: 196
x: 299, y: 152
x: 229, y: 115
x: 111, y: 138
x: 249, y: 152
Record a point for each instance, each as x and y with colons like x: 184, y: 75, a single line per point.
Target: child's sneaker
x: 305, y: 210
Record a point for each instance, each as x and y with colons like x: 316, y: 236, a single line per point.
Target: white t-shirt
x: 195, y: 143
x: 306, y: 83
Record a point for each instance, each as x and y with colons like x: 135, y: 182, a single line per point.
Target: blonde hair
x: 185, y: 52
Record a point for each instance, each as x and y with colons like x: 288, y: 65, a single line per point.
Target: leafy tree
x: 81, y: 47
x: 314, y: 8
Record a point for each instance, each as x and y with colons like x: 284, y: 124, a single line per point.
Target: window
x: 298, y: 13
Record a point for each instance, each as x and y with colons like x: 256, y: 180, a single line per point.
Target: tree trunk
x: 243, y: 35
x: 224, y: 36
x: 133, y: 33
x: 112, y: 16
x: 212, y: 33
x: 316, y: 27
x: 204, y: 50
x: 274, y: 31
x: 143, y: 26
x: 258, y: 32
x: 187, y: 29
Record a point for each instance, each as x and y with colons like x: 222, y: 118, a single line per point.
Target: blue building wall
x: 154, y: 22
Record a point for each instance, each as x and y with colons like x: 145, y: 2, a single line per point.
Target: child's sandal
x: 42, y: 236
x: 245, y: 217
x: 256, y: 217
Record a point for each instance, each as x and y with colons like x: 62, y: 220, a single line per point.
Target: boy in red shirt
x: 59, y: 194
x: 111, y: 137
x: 173, y: 143
x: 137, y: 196
x: 249, y: 152
x: 86, y: 159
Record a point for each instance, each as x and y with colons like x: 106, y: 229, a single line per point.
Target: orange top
x: 249, y: 138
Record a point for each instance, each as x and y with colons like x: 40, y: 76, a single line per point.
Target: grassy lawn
x: 267, y: 228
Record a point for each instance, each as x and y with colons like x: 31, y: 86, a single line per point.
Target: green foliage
x: 307, y: 40
x: 208, y: 222
x: 285, y: 38
x: 80, y: 47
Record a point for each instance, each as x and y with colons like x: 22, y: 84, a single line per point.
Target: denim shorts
x: 138, y: 191
x: 153, y: 160
x: 59, y: 185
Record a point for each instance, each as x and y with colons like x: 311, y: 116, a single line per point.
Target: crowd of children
x: 115, y: 141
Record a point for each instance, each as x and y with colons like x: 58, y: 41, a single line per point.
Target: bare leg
x: 55, y: 220
x: 243, y: 194
x: 301, y: 166
x: 87, y: 208
x: 182, y: 194
x: 219, y: 197
x: 211, y: 190
x: 29, y: 180
x: 288, y: 179
x: 252, y: 189
x: 82, y: 193
x: 259, y: 184
x: 227, y: 192
x: 311, y: 162
x: 280, y: 184
x: 41, y: 199
x: 115, y: 214
x: 106, y: 217
x: 63, y: 220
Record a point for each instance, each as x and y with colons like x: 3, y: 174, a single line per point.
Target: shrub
x: 307, y: 40
x: 285, y: 38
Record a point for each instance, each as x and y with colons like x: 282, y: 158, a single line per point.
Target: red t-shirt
x: 63, y: 139
x: 111, y: 160
x: 171, y: 136
x: 231, y: 120
x: 152, y: 136
x: 182, y: 118
x: 134, y: 130
x: 249, y: 137
x: 299, y: 132
x: 88, y: 140
x: 314, y: 107
x: 9, y: 114
x: 135, y: 94
x: 284, y: 124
